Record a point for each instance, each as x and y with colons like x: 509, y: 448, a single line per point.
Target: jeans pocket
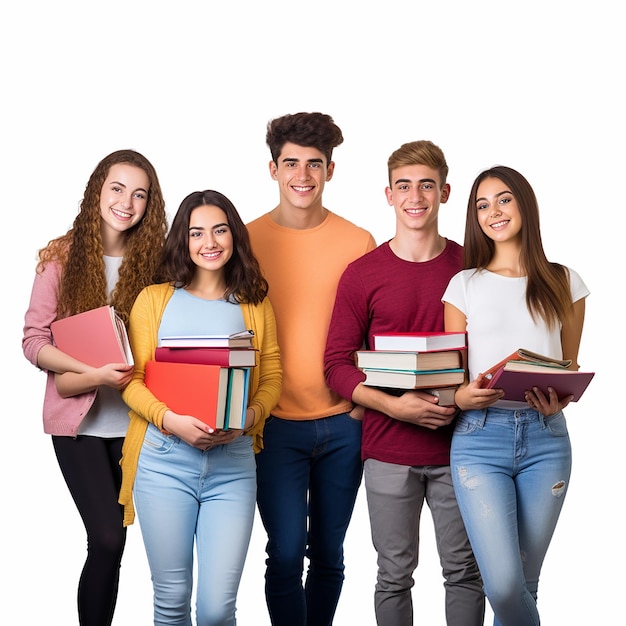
x: 466, y: 425
x: 158, y: 442
x: 355, y: 416
x: 240, y: 448
x: 557, y: 424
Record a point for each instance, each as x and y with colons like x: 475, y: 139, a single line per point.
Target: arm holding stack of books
x: 208, y: 363
x: 431, y: 362
x: 410, y: 403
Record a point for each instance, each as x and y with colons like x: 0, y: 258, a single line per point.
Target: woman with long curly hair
x: 107, y: 257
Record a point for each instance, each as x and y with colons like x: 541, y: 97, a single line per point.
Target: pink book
x: 96, y: 337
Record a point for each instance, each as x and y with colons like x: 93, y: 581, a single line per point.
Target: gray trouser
x: 395, y: 496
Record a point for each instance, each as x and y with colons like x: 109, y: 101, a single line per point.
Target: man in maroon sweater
x: 406, y: 438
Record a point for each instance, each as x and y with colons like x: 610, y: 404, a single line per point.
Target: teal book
x: 407, y: 379
x: 237, y: 398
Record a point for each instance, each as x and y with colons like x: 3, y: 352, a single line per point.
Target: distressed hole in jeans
x: 558, y: 489
x: 468, y: 483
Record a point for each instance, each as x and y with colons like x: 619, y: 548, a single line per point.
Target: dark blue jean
x: 308, y: 476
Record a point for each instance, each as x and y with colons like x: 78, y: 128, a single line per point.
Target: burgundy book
x: 515, y: 382
x: 226, y: 357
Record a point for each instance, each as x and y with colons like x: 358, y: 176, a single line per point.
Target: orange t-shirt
x: 303, y: 268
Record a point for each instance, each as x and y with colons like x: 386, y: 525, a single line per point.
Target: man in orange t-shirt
x: 310, y: 468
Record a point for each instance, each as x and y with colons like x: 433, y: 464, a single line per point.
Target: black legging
x: 90, y: 466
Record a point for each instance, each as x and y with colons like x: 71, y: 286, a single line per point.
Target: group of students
x: 493, y: 473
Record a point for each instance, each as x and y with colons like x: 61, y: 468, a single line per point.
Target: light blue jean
x: 184, y: 495
x: 510, y: 471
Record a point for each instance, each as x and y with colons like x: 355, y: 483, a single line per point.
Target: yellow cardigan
x: 145, y: 318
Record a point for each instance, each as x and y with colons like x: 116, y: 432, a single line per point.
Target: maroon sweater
x: 381, y: 293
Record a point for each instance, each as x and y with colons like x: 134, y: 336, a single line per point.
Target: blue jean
x: 184, y: 495
x: 510, y: 471
x: 308, y: 476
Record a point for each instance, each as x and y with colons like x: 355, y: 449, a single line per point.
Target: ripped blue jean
x: 510, y: 471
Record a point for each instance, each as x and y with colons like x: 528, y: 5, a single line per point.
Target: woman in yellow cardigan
x: 192, y: 484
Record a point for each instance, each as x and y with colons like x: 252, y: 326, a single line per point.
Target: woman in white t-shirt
x: 511, y: 461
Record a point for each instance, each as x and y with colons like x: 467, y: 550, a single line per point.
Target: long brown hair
x: 548, y: 294
x: 80, y: 252
x: 244, y: 280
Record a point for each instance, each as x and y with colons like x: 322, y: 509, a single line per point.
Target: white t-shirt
x: 108, y: 415
x: 498, y: 320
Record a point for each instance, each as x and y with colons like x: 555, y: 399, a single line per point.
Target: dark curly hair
x: 244, y: 280
x: 80, y: 251
x: 310, y: 130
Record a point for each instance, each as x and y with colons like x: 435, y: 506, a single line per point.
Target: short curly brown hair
x: 315, y: 130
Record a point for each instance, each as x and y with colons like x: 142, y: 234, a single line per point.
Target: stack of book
x: 207, y: 376
x: 524, y: 369
x: 430, y: 362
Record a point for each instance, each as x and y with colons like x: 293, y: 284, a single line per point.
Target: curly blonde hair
x: 80, y: 251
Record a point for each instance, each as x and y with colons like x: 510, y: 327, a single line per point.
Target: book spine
x: 229, y: 396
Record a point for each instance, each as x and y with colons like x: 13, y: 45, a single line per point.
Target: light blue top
x: 186, y: 314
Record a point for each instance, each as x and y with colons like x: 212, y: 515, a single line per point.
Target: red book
x: 524, y: 356
x: 419, y: 342
x: 226, y: 357
x: 190, y: 388
x: 96, y: 337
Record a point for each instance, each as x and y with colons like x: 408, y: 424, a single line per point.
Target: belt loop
x: 542, y: 419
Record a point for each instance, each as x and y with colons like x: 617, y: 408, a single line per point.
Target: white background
x: 536, y: 85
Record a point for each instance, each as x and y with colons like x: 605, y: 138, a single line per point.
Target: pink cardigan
x: 61, y: 416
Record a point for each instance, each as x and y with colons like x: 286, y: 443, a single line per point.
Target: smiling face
x: 124, y: 197
x: 210, y: 238
x: 416, y: 194
x: 301, y: 173
x: 497, y: 211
